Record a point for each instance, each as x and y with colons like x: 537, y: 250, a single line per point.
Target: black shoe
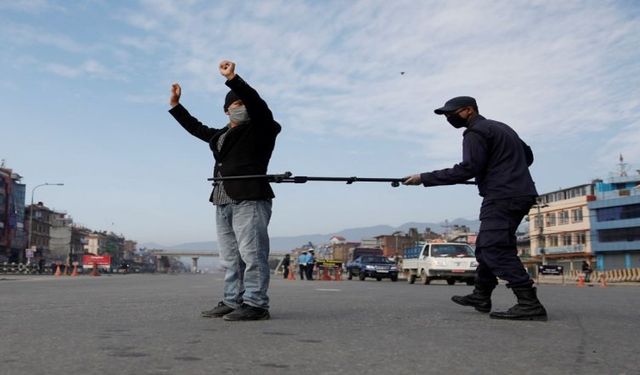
x: 527, y: 308
x: 246, y: 312
x: 218, y: 311
x: 480, y: 299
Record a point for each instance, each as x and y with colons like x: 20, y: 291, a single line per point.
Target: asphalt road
x: 150, y: 324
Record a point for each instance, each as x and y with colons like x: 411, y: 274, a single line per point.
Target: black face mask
x: 456, y: 121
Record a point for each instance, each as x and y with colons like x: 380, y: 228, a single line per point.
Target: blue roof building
x: 615, y: 223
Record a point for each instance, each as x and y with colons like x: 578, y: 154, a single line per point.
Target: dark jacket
x: 247, y: 148
x: 495, y: 156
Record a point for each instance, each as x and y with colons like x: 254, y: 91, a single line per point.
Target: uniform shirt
x: 302, y: 259
x: 495, y: 155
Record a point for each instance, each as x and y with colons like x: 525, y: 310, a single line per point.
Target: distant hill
x: 284, y: 244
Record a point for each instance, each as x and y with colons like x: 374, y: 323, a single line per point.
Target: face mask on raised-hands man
x: 239, y: 115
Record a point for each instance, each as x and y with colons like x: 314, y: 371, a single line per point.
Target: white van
x: 448, y: 261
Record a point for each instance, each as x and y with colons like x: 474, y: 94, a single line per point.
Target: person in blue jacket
x: 493, y: 154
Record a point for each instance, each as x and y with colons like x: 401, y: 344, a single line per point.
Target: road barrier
x: 22, y: 269
x: 625, y: 275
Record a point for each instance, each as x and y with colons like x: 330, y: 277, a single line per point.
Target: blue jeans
x: 244, y: 251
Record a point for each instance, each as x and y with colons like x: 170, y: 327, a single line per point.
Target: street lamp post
x: 31, y: 213
x: 395, y: 234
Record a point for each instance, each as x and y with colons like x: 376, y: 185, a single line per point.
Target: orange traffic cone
x: 338, y: 273
x: 580, y: 281
x: 325, y: 274
x: 95, y: 270
x: 292, y: 274
x: 75, y: 270
x: 58, y: 272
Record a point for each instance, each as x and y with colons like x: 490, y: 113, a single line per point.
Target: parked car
x: 375, y: 266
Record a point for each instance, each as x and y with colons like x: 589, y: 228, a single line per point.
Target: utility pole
x: 539, y: 205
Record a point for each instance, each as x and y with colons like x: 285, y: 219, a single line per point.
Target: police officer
x: 499, y: 160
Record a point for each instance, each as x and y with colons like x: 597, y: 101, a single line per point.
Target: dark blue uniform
x: 499, y: 160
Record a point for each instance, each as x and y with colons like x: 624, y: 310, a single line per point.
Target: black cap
x: 230, y: 98
x: 456, y: 103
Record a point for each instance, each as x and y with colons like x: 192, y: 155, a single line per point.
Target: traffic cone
x: 58, y: 272
x: 338, y: 273
x: 95, y: 270
x: 580, y: 281
x: 75, y: 270
x: 292, y: 274
x: 325, y: 274
x: 603, y: 280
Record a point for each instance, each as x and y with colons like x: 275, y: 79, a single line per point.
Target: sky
x: 86, y: 84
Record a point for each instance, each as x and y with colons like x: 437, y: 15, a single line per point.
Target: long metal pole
x: 289, y: 177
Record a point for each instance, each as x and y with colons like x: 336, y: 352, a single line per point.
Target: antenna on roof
x: 623, y: 167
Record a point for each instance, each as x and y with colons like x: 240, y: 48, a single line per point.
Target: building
x: 38, y: 226
x: 393, y: 245
x: 559, y: 228
x: 615, y: 223
x: 60, y: 249
x: 12, y: 231
x: 129, y: 249
x: 79, y: 241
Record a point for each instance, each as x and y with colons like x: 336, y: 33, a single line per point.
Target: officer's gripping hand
x: 412, y: 180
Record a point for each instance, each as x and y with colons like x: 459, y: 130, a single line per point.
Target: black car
x: 378, y: 267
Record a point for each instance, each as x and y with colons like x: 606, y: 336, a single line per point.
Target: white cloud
x: 89, y: 68
x: 535, y: 66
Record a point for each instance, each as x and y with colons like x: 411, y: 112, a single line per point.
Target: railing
x: 23, y: 269
x: 611, y: 276
x: 561, y: 249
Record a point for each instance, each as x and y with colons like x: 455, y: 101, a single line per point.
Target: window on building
x: 550, y: 219
x: 576, y: 215
x: 566, y: 239
x: 619, y: 235
x: 581, y: 238
x: 553, y: 241
x: 631, y: 211
x: 563, y: 217
x: 537, y: 222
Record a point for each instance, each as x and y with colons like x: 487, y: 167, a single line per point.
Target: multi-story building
x: 392, y: 245
x: 12, y: 231
x: 129, y: 249
x: 95, y: 243
x: 559, y: 227
x: 38, y: 225
x: 60, y: 249
x: 615, y: 223
x: 79, y: 241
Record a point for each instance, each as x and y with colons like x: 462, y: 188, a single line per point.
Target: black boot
x: 527, y: 308
x: 480, y: 299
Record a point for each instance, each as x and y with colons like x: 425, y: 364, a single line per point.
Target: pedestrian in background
x: 586, y: 269
x: 286, y: 262
x: 311, y: 261
x: 243, y: 208
x: 302, y: 264
x: 499, y: 160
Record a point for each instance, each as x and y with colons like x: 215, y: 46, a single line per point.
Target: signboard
x: 103, y: 261
x: 551, y: 270
x: 29, y: 253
